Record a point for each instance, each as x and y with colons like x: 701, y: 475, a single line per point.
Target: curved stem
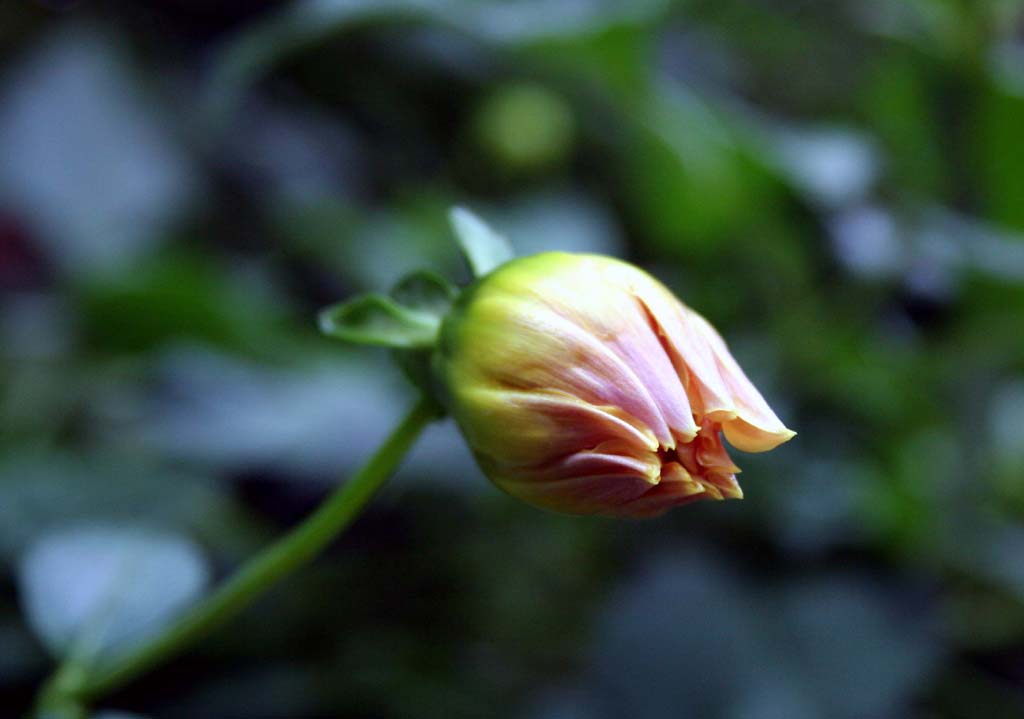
x: 293, y: 550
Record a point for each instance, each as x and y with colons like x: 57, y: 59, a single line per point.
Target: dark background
x: 837, y: 185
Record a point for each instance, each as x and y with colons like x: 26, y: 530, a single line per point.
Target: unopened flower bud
x: 584, y: 386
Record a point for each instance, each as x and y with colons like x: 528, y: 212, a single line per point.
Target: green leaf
x: 379, y: 320
x: 425, y: 291
x: 483, y: 248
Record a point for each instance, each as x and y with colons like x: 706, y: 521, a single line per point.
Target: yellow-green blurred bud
x: 525, y: 127
x: 584, y: 386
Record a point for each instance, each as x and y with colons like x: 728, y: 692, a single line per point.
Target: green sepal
x: 425, y: 291
x: 483, y: 248
x: 379, y: 320
x: 406, y: 319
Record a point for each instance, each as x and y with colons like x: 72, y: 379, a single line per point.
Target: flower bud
x: 584, y: 386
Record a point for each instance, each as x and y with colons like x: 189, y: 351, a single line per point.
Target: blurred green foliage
x: 838, y: 186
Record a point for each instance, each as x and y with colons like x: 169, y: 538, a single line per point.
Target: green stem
x: 289, y: 553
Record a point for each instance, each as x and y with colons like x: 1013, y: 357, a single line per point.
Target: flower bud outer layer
x: 584, y: 386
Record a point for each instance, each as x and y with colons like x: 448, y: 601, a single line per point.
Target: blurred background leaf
x: 91, y: 593
x: 838, y: 186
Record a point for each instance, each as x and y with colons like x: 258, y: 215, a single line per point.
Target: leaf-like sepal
x: 483, y: 248
x: 407, y: 319
x: 425, y: 291
x: 379, y: 320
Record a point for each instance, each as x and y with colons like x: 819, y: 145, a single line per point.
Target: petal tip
x: 750, y: 438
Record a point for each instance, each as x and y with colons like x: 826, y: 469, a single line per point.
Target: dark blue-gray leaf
x: 96, y: 591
